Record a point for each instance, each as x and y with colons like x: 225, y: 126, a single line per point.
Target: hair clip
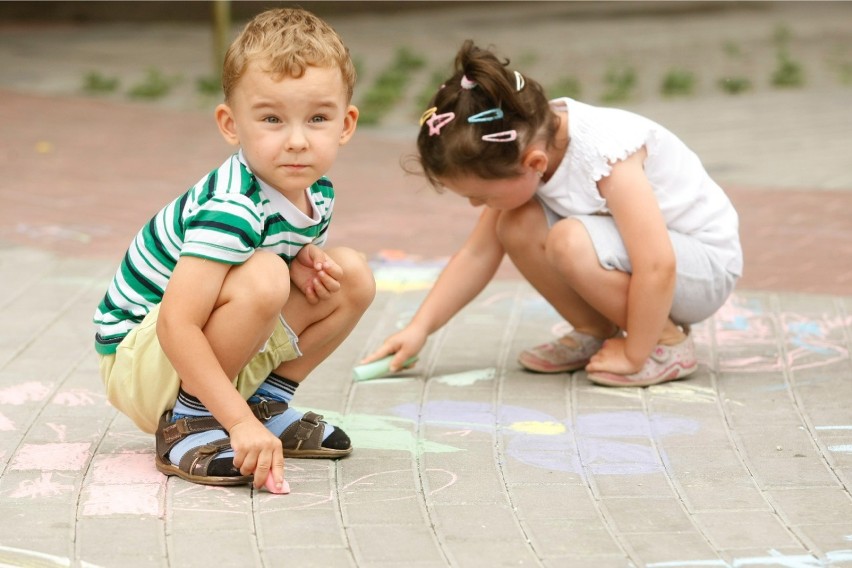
x: 519, y: 81
x: 505, y: 136
x: 437, y: 121
x: 425, y: 116
x: 466, y: 83
x: 487, y: 115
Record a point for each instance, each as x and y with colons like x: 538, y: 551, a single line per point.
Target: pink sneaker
x: 666, y: 363
x: 557, y: 357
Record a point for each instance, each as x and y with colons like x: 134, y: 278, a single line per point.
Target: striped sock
x: 189, y: 406
x: 282, y: 389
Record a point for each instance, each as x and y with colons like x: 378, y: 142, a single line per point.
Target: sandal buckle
x: 263, y: 410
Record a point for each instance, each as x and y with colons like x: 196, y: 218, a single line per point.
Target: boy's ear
x: 225, y: 121
x: 349, y: 123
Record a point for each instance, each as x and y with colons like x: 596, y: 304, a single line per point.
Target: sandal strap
x: 305, y: 433
x: 171, y: 433
x: 197, y: 460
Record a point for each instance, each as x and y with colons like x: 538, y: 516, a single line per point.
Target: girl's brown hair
x: 459, y: 148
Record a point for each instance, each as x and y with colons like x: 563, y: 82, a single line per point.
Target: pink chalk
x: 270, y: 485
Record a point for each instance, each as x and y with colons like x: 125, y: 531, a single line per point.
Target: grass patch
x: 568, y: 86
x: 156, y: 85
x: 96, y: 84
x: 619, y: 81
x: 735, y: 85
x: 678, y: 83
x: 389, y: 86
x: 788, y: 73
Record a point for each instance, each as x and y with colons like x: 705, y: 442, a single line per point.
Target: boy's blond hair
x: 286, y: 41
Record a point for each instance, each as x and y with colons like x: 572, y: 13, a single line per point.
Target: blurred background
x: 106, y: 113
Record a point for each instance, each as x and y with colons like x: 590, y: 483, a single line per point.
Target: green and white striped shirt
x: 224, y: 217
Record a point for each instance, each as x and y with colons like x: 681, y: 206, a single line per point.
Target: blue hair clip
x: 489, y: 115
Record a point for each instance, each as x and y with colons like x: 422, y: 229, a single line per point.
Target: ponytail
x: 482, y: 119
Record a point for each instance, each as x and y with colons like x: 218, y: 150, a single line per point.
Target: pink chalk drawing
x: 126, y: 468
x: 44, y: 486
x: 808, y: 342
x: 60, y: 430
x: 76, y: 397
x: 16, y: 395
x: 52, y: 457
x: 139, y: 499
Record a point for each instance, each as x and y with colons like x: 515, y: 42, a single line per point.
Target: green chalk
x: 378, y: 368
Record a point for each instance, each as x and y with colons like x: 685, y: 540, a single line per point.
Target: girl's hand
x: 401, y: 345
x: 612, y: 358
x: 315, y: 274
x: 257, y: 451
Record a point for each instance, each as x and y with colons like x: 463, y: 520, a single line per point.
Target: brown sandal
x: 195, y: 465
x: 303, y: 439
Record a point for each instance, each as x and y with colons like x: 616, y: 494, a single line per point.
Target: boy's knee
x: 268, y: 280
x: 358, y: 283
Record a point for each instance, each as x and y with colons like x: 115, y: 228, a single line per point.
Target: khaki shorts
x: 141, y: 382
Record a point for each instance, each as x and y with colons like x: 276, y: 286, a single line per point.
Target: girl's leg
x: 524, y: 233
x: 570, y: 252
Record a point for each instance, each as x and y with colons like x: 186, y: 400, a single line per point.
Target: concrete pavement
x: 465, y: 460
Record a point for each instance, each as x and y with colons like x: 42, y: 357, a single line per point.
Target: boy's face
x: 289, y: 129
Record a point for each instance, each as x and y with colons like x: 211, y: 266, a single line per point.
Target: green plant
x: 154, y: 86
x: 844, y: 72
x: 678, y: 82
x: 734, y: 85
x: 429, y: 89
x: 620, y: 81
x: 389, y: 86
x: 568, y: 86
x: 209, y: 86
x: 787, y: 73
x: 95, y: 83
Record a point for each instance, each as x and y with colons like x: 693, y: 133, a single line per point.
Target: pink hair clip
x: 466, y: 83
x: 437, y: 121
x: 505, y: 136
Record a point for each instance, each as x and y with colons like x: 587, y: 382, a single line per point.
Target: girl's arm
x: 640, y: 222
x: 464, y: 277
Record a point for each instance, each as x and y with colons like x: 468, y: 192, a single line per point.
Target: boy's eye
x: 271, y: 119
x: 318, y: 119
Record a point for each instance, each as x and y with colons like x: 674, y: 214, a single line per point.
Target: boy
x: 225, y: 301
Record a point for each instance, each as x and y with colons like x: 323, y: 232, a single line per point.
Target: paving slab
x: 464, y: 460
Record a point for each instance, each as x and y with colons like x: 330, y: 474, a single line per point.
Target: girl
x: 607, y: 214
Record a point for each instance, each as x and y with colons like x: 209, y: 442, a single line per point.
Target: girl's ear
x: 227, y: 126
x: 536, y: 159
x: 349, y: 123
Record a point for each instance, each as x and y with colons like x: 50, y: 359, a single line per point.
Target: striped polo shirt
x: 224, y: 217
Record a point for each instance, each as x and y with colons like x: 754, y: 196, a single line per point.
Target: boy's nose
x: 296, y: 140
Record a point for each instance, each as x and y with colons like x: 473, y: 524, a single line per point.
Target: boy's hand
x: 257, y: 451
x: 401, y: 345
x: 315, y: 274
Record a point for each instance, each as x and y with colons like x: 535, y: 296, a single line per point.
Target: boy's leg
x: 321, y: 328
x: 248, y: 309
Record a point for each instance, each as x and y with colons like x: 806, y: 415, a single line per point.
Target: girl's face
x: 501, y: 194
